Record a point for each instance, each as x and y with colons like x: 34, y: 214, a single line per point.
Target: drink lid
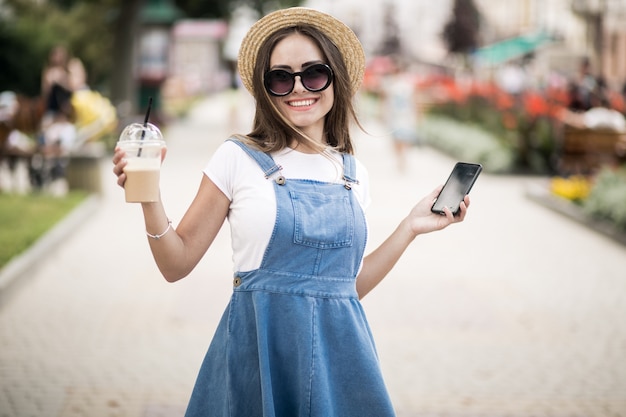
x: 146, y: 134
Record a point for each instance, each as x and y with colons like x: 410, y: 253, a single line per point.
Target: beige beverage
x: 142, y: 180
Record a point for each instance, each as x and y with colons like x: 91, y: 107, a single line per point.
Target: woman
x: 294, y: 340
x: 60, y: 77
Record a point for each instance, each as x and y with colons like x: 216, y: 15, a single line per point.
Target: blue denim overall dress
x: 294, y: 340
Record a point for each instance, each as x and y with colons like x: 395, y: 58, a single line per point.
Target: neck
x: 316, y: 144
x: 307, y: 147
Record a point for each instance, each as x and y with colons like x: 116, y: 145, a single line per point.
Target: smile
x: 301, y: 103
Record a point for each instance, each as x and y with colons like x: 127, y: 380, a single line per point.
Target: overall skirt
x: 294, y: 340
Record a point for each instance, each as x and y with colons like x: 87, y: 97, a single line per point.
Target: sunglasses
x: 315, y: 78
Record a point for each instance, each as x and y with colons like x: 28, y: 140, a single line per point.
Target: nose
x: 297, y: 84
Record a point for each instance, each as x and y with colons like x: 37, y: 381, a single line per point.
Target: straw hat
x: 340, y: 34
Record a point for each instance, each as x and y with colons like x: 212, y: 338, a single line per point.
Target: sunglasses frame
x: 293, y: 75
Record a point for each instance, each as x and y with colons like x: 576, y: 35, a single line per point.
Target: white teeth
x: 301, y: 103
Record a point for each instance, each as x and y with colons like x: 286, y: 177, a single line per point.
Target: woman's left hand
x: 422, y: 220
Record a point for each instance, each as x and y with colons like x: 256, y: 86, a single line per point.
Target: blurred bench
x: 84, y: 169
x: 584, y: 151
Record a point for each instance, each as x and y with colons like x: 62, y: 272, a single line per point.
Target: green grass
x: 25, y: 218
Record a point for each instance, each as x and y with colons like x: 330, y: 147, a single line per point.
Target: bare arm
x: 420, y: 220
x: 179, y: 250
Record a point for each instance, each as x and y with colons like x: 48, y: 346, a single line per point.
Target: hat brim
x: 339, y: 33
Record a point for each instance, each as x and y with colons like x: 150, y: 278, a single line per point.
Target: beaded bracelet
x: 157, y: 237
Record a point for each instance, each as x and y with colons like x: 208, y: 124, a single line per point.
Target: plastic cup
x: 143, y: 144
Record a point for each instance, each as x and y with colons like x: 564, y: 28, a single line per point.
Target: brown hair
x: 271, y: 130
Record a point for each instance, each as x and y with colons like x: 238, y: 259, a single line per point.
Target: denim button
x: 237, y: 282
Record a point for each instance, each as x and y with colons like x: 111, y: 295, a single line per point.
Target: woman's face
x: 303, y: 108
x: 58, y: 56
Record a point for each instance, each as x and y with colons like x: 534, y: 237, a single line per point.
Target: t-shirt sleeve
x: 362, y: 175
x: 222, y: 167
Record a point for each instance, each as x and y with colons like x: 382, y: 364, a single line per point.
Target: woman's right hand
x: 119, y: 162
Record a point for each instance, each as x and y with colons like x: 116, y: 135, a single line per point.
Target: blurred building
x: 577, y: 28
x: 595, y: 29
x: 195, y: 64
x: 419, y: 24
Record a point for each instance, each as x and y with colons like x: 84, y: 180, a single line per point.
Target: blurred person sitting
x: 50, y: 161
x: 61, y: 77
x: 600, y: 116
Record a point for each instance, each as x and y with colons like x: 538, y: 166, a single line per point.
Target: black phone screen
x: 457, y: 186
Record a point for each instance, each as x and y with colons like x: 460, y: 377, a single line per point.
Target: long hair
x: 272, y: 131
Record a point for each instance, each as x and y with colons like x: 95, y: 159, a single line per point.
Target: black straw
x: 145, y: 121
x: 145, y: 124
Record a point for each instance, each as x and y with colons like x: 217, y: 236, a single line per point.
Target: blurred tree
x: 391, y: 44
x: 126, y: 30
x: 461, y: 32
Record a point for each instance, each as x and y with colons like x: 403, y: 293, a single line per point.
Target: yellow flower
x: 576, y: 187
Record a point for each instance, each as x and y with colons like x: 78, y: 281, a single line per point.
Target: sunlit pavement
x: 516, y: 312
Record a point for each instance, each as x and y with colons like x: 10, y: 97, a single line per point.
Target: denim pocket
x: 322, y: 221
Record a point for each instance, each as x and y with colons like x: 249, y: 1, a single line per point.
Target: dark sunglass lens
x: 316, y: 78
x: 279, y: 82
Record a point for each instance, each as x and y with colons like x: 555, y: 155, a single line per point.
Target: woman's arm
x: 179, y: 250
x: 420, y: 220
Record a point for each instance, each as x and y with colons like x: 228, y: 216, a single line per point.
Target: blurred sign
x: 153, y: 54
x: 510, y: 49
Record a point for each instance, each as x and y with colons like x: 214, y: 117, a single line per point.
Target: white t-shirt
x: 252, y: 211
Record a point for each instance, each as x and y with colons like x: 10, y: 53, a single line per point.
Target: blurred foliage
x: 528, y: 124
x: 607, y: 197
x: 21, y: 59
x: 467, y: 142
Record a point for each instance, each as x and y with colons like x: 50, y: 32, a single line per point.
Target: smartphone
x: 458, y: 185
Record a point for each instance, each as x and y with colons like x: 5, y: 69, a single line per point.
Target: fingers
x: 121, y: 180
x: 451, y: 218
x: 118, y: 155
x: 463, y: 209
x: 119, y: 162
x: 460, y: 216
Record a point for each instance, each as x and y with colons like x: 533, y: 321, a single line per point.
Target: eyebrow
x: 304, y: 65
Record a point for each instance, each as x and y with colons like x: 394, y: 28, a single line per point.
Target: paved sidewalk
x: 517, y: 312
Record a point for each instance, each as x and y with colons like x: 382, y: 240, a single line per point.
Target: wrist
x: 407, y: 230
x: 160, y: 235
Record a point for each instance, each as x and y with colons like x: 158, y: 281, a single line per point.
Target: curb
x: 543, y: 197
x: 16, y: 271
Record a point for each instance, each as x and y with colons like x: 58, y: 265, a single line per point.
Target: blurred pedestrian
x: 294, y: 340
x: 583, y: 87
x: 400, y: 111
